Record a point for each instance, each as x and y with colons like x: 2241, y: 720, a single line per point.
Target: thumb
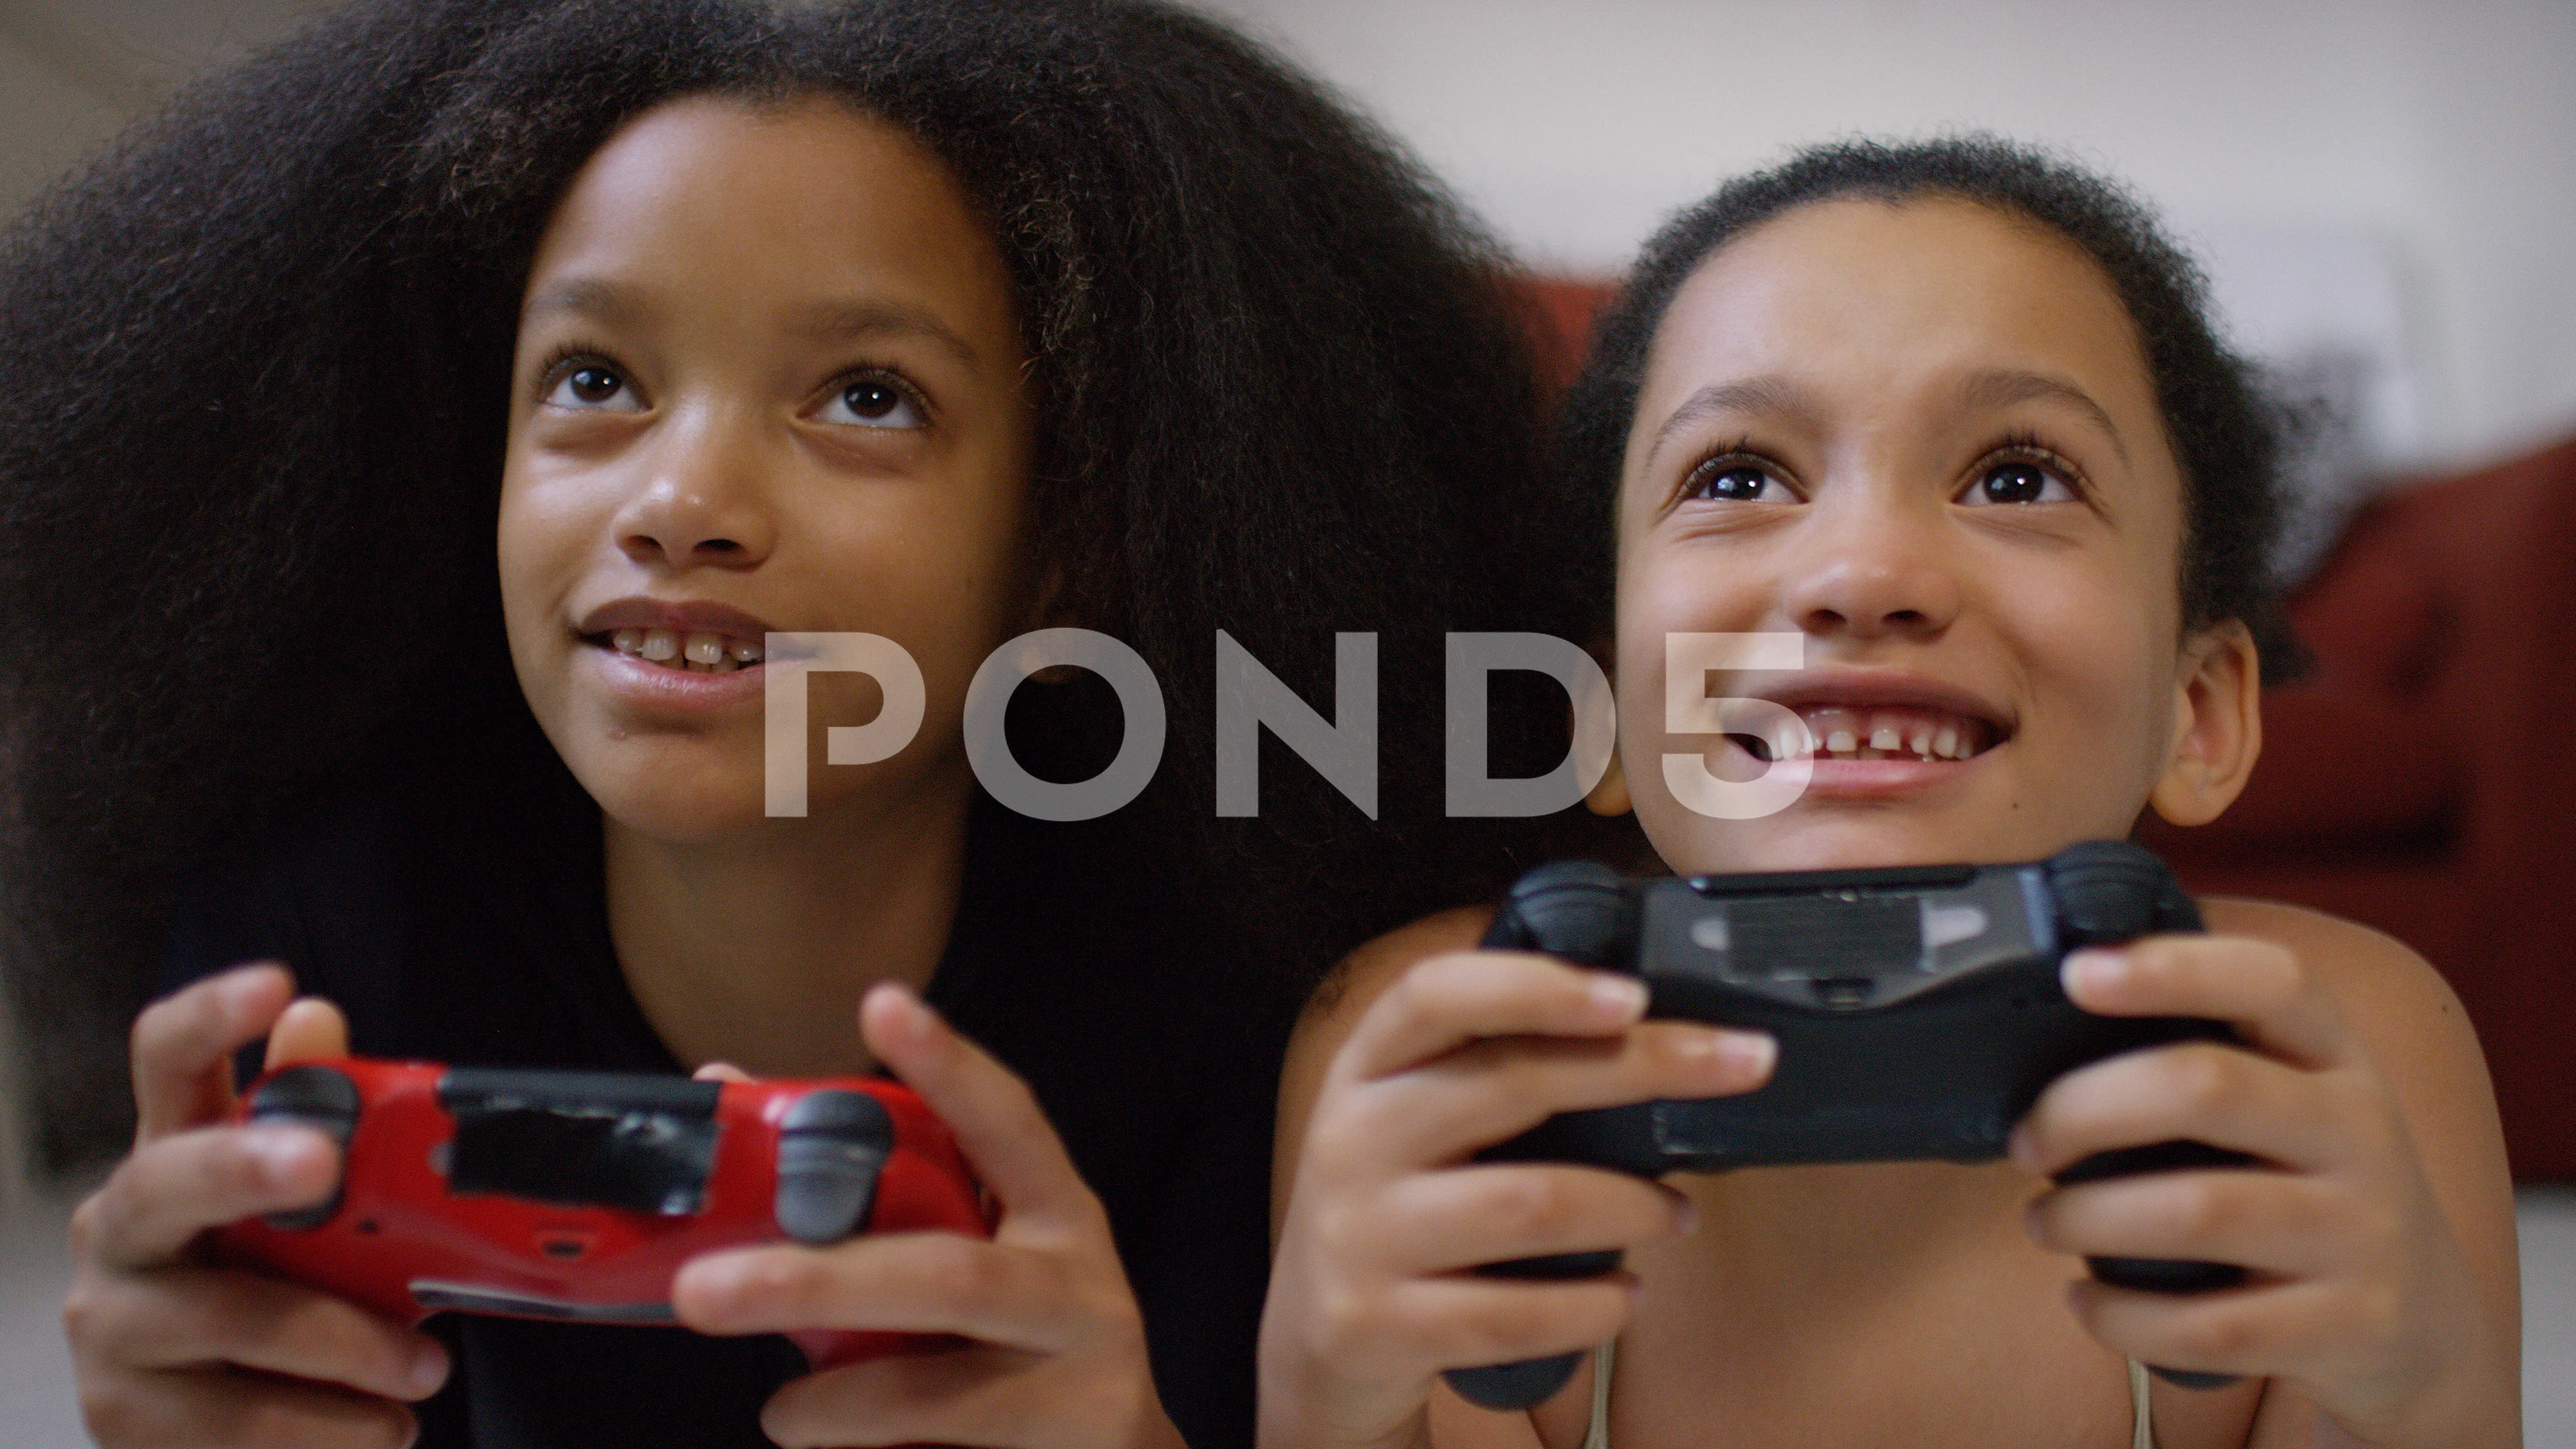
x: 309, y: 1030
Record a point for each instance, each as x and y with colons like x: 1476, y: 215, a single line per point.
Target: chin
x: 675, y: 805
x: 1841, y: 837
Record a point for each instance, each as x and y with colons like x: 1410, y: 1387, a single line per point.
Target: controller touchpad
x: 649, y: 1149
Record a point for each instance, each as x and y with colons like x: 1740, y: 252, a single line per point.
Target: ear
x: 1048, y: 610
x: 2218, y: 727
x: 1609, y: 796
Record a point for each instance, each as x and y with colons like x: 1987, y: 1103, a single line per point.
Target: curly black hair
x: 253, y: 380
x: 2225, y: 432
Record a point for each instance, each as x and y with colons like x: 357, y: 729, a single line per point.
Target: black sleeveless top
x: 460, y: 932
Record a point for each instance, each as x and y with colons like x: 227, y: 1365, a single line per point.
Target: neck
x: 755, y: 948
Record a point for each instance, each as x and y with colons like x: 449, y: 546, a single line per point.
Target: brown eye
x: 873, y: 402
x: 1738, y: 483
x: 593, y: 387
x: 2017, y: 481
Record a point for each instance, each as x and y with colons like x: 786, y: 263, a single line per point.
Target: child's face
x: 767, y: 370
x: 1922, y: 437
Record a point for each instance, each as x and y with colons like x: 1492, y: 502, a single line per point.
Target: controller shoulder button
x: 315, y: 1096
x: 832, y: 1144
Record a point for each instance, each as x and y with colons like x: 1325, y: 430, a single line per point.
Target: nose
x: 1870, y: 564
x: 704, y: 499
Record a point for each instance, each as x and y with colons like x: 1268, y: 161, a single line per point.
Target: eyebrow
x: 832, y: 321
x: 1772, y: 395
x: 618, y: 304
x: 2004, y: 388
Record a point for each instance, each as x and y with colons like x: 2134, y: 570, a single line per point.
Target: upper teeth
x: 699, y: 650
x: 1835, y: 731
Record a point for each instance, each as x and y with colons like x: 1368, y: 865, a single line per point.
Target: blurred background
x: 2383, y: 192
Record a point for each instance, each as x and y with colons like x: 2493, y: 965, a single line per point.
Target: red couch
x: 2422, y: 778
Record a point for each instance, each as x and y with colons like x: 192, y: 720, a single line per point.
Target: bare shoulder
x: 2400, y: 1007
x: 1346, y: 994
x: 1336, y: 1008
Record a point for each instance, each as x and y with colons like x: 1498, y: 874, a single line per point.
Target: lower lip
x: 643, y: 683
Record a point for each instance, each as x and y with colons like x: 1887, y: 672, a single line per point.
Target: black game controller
x: 1918, y: 1012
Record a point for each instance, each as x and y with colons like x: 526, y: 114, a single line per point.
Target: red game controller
x: 576, y: 1196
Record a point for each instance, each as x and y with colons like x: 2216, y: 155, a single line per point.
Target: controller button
x: 831, y: 1147
x: 319, y: 1097
x: 1843, y: 993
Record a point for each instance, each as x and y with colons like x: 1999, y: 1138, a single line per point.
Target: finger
x: 311, y: 1029
x: 194, y: 1317
x: 164, y: 1194
x: 184, y: 1043
x: 1467, y: 1321
x: 720, y: 1072
x: 905, y: 1282
x: 2260, y: 1330
x: 958, y: 1397
x: 1493, y: 1090
x: 249, y: 1411
x: 2256, y: 986
x: 2262, y: 1221
x: 2196, y: 1091
x: 1444, y: 1222
x: 1014, y: 1149
x: 1448, y: 1001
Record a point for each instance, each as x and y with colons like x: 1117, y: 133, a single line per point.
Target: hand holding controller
x: 1943, y: 980
x: 578, y: 1195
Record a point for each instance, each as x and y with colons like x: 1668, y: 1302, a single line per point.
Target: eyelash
x: 1737, y: 454
x: 890, y: 378
x: 2018, y: 447
x: 564, y: 357
x: 2025, y: 447
x: 561, y: 361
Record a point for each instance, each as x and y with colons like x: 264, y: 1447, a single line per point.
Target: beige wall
x: 2444, y: 133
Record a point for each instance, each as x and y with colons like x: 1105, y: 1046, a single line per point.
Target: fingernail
x: 2092, y: 969
x: 279, y: 1152
x: 1621, y: 998
x: 1748, y: 1052
x: 428, y: 1368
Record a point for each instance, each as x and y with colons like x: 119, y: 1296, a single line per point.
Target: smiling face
x: 768, y: 377
x: 1922, y: 437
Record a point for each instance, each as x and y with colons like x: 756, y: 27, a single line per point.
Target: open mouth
x: 693, y: 651
x: 1839, y: 732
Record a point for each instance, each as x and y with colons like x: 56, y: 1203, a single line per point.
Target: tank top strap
x: 2142, y: 1433
x: 1598, y: 1436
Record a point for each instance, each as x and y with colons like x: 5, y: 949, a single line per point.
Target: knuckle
x: 981, y: 1278
x: 82, y: 1310
x: 1343, y: 1320
x: 2201, y: 1077
x: 1528, y: 1205
x: 2217, y: 1336
x: 2203, y: 1210
x: 109, y: 1415
x: 155, y: 1024
x: 88, y: 1226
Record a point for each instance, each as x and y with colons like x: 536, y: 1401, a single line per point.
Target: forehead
x: 1890, y: 301
x: 767, y: 209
